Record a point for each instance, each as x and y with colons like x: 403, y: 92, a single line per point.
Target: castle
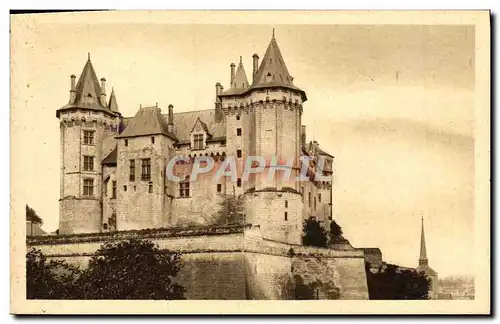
x: 114, y: 168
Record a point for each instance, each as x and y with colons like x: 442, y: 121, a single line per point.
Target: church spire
x: 423, y: 251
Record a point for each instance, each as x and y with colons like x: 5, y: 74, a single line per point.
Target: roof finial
x: 273, y: 32
x: 88, y: 56
x: 241, y: 59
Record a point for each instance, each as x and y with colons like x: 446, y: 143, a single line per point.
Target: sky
x: 394, y: 104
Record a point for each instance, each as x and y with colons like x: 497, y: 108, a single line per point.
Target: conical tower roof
x: 272, y: 68
x: 87, y: 89
x: 423, y: 251
x: 240, y: 77
x: 113, y: 105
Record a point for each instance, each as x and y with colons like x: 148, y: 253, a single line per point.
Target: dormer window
x: 198, y: 142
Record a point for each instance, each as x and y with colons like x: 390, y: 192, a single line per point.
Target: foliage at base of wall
x: 231, y: 211
x: 388, y: 282
x: 130, y: 269
x: 295, y: 288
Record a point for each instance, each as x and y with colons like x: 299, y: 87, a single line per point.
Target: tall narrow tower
x: 84, y: 122
x: 423, y: 265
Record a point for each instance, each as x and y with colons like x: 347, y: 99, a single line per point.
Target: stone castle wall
x: 230, y: 262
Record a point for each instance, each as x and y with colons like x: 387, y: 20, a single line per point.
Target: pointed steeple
x: 88, y: 90
x: 272, y: 70
x: 113, y: 105
x: 240, y: 78
x: 423, y: 261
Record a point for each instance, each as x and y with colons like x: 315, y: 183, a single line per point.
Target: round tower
x: 84, y: 124
x: 264, y: 120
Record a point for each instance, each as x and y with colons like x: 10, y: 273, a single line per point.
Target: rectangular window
x: 309, y: 199
x: 184, y: 189
x: 314, y: 203
x: 132, y: 170
x: 152, y: 139
x: 126, y: 142
x: 238, y: 131
x: 88, y: 187
x: 124, y: 188
x: 286, y: 203
x: 237, y: 117
x: 319, y: 198
x: 238, y: 182
x: 88, y: 137
x: 113, y: 196
x: 219, y: 187
x: 88, y: 163
x: 146, y: 169
x: 150, y: 188
x: 302, y: 193
x: 238, y: 153
x: 198, y: 141
x: 286, y: 215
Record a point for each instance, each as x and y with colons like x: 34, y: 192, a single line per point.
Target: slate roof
x: 272, y: 72
x: 88, y: 91
x: 111, y: 158
x: 185, y: 121
x: 147, y: 121
x: 113, y: 105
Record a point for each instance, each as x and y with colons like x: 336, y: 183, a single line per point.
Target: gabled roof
x: 184, y: 122
x: 113, y: 105
x: 203, y: 126
x: 147, y: 121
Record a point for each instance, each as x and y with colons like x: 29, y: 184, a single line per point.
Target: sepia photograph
x: 232, y: 162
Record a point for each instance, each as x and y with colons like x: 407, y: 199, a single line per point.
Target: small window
x: 238, y: 153
x: 302, y: 193
x: 319, y: 198
x: 152, y: 140
x: 219, y: 187
x: 198, y: 141
x: 309, y: 199
x: 237, y: 117
x: 88, y: 163
x: 88, y: 187
x: 126, y: 142
x: 124, y: 188
x: 184, y: 188
x: 105, y: 226
x: 132, y: 170
x: 286, y: 215
x: 135, y: 187
x: 113, y: 196
x: 150, y: 187
x: 146, y: 170
x: 286, y: 203
x: 238, y: 182
x: 88, y: 137
x: 238, y: 131
x: 314, y: 203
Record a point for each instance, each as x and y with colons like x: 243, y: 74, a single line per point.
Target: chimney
x: 218, y: 104
x: 303, y: 136
x: 72, y: 91
x: 255, y: 66
x: 218, y: 88
x: 103, y: 92
x: 232, y: 74
x: 315, y: 147
x: 170, y: 118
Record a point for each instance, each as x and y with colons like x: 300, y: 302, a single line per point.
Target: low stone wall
x: 231, y: 262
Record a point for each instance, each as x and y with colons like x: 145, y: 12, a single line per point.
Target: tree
x: 132, y: 269
x: 335, y: 233
x: 49, y: 280
x: 387, y: 282
x: 32, y: 216
x: 314, y: 233
x: 231, y: 211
